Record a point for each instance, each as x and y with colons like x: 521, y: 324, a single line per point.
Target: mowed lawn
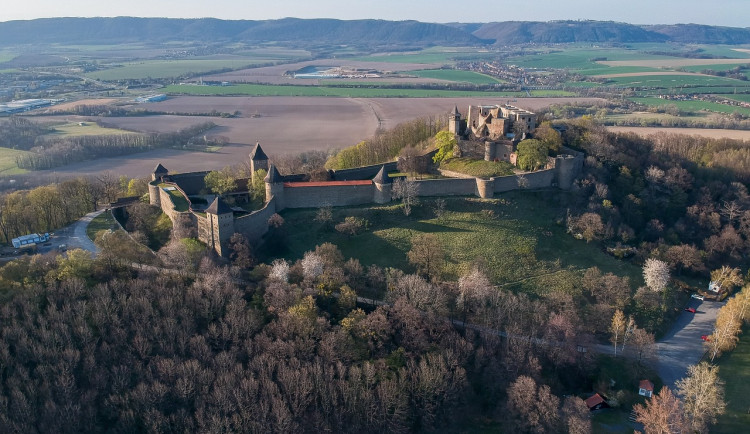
x: 8, y: 162
x: 734, y: 369
x: 516, y: 237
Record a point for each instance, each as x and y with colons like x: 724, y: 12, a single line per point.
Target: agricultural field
x: 172, y: 68
x: 703, y: 132
x: 516, y: 233
x: 739, y: 97
x: 617, y: 70
x: 719, y: 67
x: 694, y: 105
x: 456, y: 75
x: 580, y: 58
x: 439, y: 55
x: 8, y: 162
x: 347, y: 92
x: 733, y: 369
x: 676, y: 80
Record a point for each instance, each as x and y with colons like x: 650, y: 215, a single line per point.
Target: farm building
x: 596, y: 402
x: 646, y: 388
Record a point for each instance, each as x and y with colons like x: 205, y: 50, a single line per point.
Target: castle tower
x: 454, y: 121
x: 220, y: 225
x: 383, y: 187
x: 159, y: 171
x: 275, y: 187
x: 258, y: 160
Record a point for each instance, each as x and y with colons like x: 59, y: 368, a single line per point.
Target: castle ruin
x: 182, y: 197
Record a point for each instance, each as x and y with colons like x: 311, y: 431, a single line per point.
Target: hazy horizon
x: 731, y: 13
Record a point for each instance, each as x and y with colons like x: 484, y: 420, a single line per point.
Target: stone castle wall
x: 255, y: 225
x: 283, y: 195
x: 364, y: 172
x: 335, y: 195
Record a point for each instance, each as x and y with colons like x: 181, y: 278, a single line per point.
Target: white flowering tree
x: 656, y: 274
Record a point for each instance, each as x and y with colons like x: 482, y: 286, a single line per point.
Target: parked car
x: 697, y: 297
x: 706, y: 338
x: 690, y: 309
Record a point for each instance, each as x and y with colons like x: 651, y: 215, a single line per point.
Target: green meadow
x: 516, y: 234
x: 694, y: 106
x: 172, y: 68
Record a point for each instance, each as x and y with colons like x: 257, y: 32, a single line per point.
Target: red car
x: 705, y: 338
x: 690, y: 309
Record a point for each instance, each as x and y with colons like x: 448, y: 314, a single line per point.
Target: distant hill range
x: 307, y: 32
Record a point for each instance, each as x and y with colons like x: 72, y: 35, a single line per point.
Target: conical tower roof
x: 382, y: 177
x: 273, y: 176
x: 160, y: 169
x: 218, y: 206
x: 257, y: 153
x: 455, y: 111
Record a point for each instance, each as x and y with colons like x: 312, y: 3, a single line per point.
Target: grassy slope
x: 480, y: 168
x: 516, y: 234
x: 102, y: 222
x: 735, y: 371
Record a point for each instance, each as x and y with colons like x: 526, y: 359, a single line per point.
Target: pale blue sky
x: 735, y: 13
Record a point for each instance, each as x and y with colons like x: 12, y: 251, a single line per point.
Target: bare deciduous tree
x: 427, y: 255
x: 702, y: 392
x: 406, y: 190
x: 662, y: 414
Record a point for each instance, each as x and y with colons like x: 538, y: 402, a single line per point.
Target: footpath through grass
x: 515, y: 237
x: 734, y: 369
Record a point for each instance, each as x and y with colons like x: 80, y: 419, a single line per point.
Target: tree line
x: 386, y: 145
x: 47, y: 153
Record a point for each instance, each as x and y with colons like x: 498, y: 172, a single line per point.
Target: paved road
x: 683, y: 345
x: 74, y: 236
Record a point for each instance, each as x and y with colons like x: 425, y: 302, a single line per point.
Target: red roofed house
x: 646, y: 388
x: 595, y: 402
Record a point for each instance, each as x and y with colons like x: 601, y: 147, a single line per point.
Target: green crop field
x: 671, y: 81
x: 432, y: 55
x: 577, y: 58
x: 87, y: 129
x: 720, y: 67
x: 172, y: 68
x: 734, y: 369
x: 8, y: 162
x: 349, y: 92
x: 617, y: 70
x: 694, y: 106
x: 740, y: 97
x: 455, y: 75
x: 516, y: 233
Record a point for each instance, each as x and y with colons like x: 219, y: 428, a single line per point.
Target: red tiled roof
x: 594, y: 400
x: 326, y: 183
x: 646, y: 385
